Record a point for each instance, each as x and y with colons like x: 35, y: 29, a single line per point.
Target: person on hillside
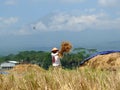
x: 55, y: 57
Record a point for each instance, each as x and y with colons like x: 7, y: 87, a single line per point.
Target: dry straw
x: 65, y: 48
x: 106, y: 62
x: 22, y: 68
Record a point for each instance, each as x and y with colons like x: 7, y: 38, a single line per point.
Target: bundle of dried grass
x: 105, y: 62
x: 65, y: 48
x: 26, y: 67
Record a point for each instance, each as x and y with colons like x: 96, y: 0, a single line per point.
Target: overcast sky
x: 34, y: 23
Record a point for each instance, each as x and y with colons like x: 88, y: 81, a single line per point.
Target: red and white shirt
x: 55, y: 59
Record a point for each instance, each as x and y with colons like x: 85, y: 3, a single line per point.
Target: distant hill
x: 8, y: 51
x: 113, y: 45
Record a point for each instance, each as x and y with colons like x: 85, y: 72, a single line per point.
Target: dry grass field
x: 105, y: 62
x: 32, y: 77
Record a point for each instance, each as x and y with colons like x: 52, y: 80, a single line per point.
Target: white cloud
x: 90, y: 10
x: 109, y: 3
x: 71, y: 1
x: 11, y: 2
x: 60, y: 22
x: 39, y: 26
x: 67, y: 22
x: 22, y: 31
x: 6, y: 23
x: 59, y: 1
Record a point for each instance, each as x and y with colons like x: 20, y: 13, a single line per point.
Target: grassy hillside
x: 32, y: 77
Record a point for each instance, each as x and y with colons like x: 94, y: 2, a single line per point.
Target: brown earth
x: 104, y: 62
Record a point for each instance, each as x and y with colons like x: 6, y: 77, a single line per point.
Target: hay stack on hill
x: 22, y: 68
x: 105, y: 62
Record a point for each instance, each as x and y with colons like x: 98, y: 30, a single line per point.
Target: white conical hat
x: 54, y: 49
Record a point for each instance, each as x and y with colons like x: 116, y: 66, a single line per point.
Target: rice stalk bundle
x: 65, y: 48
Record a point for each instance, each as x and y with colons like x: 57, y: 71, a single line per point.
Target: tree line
x: 43, y: 58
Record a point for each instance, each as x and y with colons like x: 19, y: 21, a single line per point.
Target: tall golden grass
x: 32, y: 77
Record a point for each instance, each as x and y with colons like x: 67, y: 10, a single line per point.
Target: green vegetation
x: 43, y: 59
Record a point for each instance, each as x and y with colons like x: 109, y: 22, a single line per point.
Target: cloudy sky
x: 43, y: 23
